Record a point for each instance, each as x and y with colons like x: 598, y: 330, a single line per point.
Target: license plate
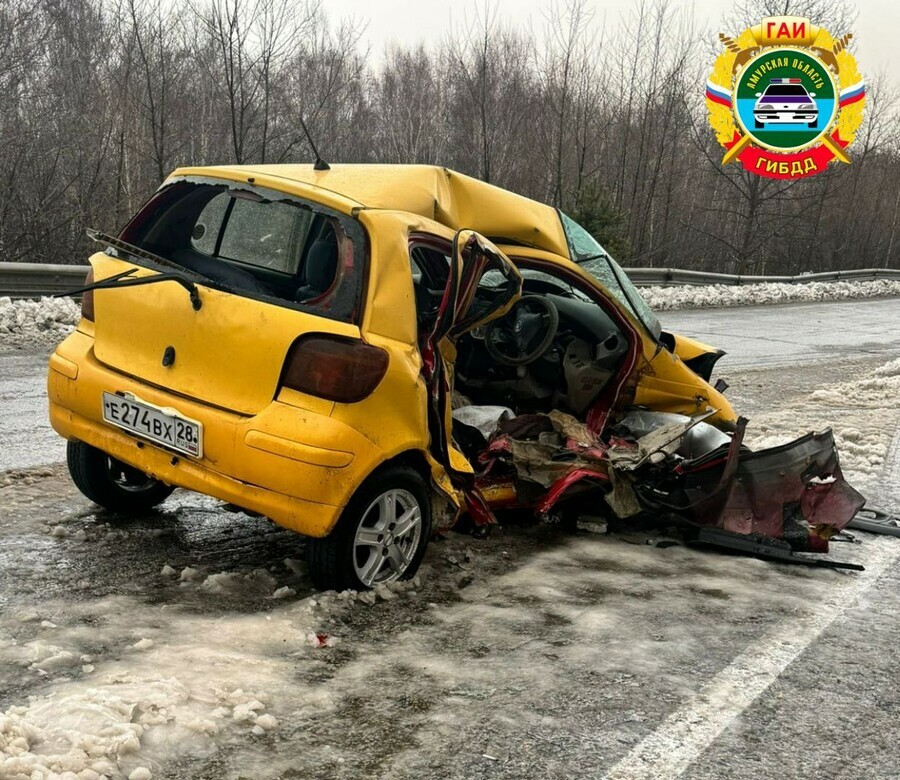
x: 162, y: 426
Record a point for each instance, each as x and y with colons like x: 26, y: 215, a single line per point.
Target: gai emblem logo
x: 785, y: 98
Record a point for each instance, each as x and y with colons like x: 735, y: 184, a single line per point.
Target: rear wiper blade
x: 123, y: 280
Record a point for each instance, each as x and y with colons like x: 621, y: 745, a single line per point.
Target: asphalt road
x: 532, y: 654
x: 794, y: 334
x: 26, y: 435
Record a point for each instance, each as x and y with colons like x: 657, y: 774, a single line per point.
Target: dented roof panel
x: 453, y: 199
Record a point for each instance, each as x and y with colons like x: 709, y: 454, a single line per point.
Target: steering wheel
x: 524, y: 333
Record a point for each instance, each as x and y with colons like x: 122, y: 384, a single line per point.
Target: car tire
x: 813, y: 124
x: 759, y: 125
x: 362, y: 552
x: 111, y: 483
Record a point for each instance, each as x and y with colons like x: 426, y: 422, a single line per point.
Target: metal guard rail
x: 652, y: 277
x: 33, y: 280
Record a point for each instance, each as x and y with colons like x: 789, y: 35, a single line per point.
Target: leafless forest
x: 101, y: 99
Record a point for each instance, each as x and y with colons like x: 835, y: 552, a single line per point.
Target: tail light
x: 87, y: 299
x: 333, y: 367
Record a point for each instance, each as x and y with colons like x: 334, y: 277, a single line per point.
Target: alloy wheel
x: 387, y: 537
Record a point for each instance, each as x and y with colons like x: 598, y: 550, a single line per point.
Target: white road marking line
x: 690, y: 730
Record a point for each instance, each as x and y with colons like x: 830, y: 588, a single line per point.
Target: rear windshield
x: 258, y: 243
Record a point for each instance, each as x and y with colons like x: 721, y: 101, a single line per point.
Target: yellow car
x: 294, y: 341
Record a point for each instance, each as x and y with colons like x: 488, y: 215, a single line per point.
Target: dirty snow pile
x: 864, y: 415
x: 37, y: 323
x: 721, y: 296
x: 132, y: 688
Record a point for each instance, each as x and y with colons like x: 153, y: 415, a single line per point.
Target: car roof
x: 450, y: 198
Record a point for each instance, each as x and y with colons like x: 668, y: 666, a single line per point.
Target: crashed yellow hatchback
x: 363, y: 353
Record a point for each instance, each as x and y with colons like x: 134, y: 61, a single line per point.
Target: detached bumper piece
x: 795, y: 493
x: 761, y: 547
x: 876, y: 521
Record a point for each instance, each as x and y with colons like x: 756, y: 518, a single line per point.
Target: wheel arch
x: 444, y: 508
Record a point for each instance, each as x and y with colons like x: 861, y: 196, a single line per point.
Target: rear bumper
x: 295, y: 466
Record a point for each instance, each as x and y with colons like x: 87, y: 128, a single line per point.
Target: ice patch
x: 51, y: 658
x: 267, y: 722
x: 179, y: 701
x: 257, y: 581
x: 190, y: 574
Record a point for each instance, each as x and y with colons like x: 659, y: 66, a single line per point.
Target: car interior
x: 555, y: 349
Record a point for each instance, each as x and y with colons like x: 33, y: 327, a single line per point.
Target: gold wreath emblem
x: 832, y: 52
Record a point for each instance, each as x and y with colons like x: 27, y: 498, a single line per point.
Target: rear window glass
x: 257, y: 242
x: 205, y: 235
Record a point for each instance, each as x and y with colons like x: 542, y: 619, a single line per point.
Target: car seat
x: 321, y: 267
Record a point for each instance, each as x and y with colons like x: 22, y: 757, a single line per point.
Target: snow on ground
x: 862, y: 411
x: 132, y: 686
x: 577, y: 644
x: 43, y: 323
x: 720, y: 295
x: 166, y: 682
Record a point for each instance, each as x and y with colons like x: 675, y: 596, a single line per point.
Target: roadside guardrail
x: 33, y: 280
x: 656, y: 277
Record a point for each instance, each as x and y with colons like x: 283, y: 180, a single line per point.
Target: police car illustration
x: 785, y: 101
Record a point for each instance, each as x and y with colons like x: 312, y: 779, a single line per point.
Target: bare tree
x: 605, y: 118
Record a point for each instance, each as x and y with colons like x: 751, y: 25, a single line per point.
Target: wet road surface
x: 26, y: 436
x: 535, y: 653
x: 795, y: 333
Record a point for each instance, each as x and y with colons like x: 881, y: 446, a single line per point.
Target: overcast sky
x: 409, y: 21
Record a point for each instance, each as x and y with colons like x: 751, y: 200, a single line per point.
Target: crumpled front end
x: 675, y: 467
x: 795, y: 492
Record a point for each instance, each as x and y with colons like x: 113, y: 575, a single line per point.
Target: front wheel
x: 111, y: 483
x: 380, y: 537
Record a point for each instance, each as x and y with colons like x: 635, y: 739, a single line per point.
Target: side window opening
x: 253, y: 233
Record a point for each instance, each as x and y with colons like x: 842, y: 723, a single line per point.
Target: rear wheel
x: 381, y: 535
x: 111, y: 483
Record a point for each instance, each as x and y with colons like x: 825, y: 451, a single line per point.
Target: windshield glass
x: 788, y: 89
x: 593, y: 258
